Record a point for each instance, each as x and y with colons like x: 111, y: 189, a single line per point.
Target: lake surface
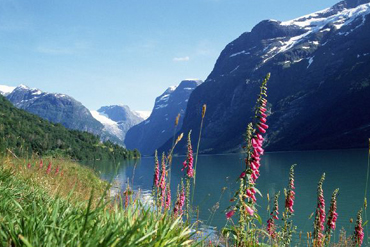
x: 345, y: 169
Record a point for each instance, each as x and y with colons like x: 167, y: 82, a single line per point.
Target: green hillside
x: 26, y: 134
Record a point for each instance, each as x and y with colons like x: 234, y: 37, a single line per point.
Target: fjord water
x: 217, y: 175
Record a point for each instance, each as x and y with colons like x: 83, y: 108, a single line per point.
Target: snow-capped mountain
x: 142, y: 114
x: 319, y: 88
x: 55, y: 107
x: 117, y: 119
x: 159, y: 127
x: 5, y: 90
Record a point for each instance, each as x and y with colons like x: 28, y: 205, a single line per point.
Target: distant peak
x: 23, y: 86
x: 6, y: 89
x: 170, y: 89
x: 192, y: 79
x: 193, y: 83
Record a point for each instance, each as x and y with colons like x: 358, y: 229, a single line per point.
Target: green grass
x: 35, y: 210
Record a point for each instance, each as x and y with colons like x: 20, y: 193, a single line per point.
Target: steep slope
x: 159, y: 127
x: 57, y: 108
x: 319, y: 89
x: 26, y: 134
x: 117, y: 119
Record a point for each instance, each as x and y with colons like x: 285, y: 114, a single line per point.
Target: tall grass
x: 35, y: 210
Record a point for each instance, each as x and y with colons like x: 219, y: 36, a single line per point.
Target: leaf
x: 259, y: 219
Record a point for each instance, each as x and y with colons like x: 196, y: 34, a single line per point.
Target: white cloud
x: 181, y: 59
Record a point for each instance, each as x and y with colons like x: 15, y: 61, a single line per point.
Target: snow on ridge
x: 161, y: 106
x: 102, y: 118
x: 23, y: 86
x: 109, y: 125
x: 339, y: 19
x: 143, y: 114
x: 164, y: 98
x: 239, y: 53
x: 6, y: 89
x: 312, y: 23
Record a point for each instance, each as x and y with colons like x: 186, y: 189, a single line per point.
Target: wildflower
x: 48, y: 170
x: 260, y: 129
x: 250, y: 193
x: 156, y: 170
x: 188, y: 163
x: 41, y: 164
x: 29, y: 165
x: 182, y: 200
x: 320, y: 213
x: 57, y: 170
x: 333, y: 215
x: 177, y: 210
x: 358, y: 235
x: 168, y: 197
x: 263, y: 125
x: 290, y: 195
x: 271, y: 228
x: 230, y: 214
x: 162, y: 183
x: 242, y: 175
x: 273, y: 215
x: 249, y: 210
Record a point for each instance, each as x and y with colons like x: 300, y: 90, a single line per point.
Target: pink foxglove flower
x: 230, y: 214
x: 48, y: 170
x: 249, y: 211
x: 358, y: 236
x: 168, y: 198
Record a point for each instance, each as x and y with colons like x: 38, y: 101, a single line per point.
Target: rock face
x: 319, y: 89
x: 117, y: 120
x: 160, y: 126
x: 57, y: 108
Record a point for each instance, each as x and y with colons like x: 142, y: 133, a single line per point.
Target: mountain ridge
x: 316, y: 61
x: 160, y: 126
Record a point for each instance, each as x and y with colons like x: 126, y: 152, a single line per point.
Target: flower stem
x: 196, y: 155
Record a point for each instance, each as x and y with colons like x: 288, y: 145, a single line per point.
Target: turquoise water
x: 217, y: 174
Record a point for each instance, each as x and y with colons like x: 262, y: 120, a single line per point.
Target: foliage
x: 26, y: 134
x: 32, y: 216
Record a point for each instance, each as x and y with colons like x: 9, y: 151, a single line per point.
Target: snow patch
x: 310, y: 61
x: 143, y: 114
x: 109, y: 125
x: 161, y: 106
x: 237, y: 67
x: 239, y: 53
x: 37, y: 92
x: 5, y: 90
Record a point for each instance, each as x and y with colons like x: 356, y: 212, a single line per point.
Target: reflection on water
x: 217, y: 174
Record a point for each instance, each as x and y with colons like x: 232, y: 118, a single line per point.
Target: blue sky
x: 125, y: 51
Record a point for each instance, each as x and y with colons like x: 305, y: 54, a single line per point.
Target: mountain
x: 27, y: 134
x: 117, y: 119
x: 319, y: 89
x: 55, y: 107
x: 159, y: 127
x: 5, y: 90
